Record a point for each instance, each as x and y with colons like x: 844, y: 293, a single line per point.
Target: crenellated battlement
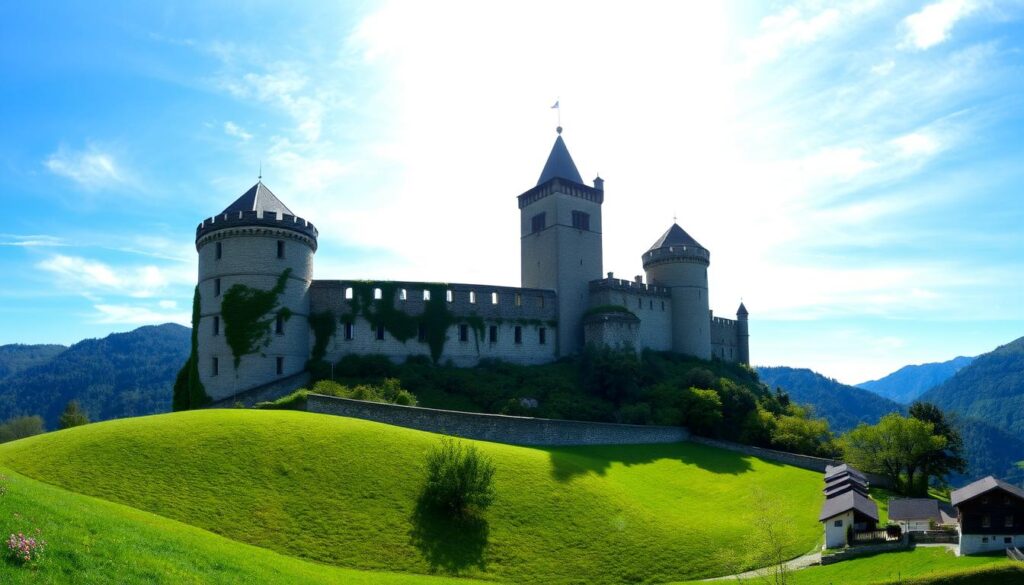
x: 631, y: 286
x: 695, y: 254
x: 724, y: 322
x: 256, y: 218
x: 561, y: 186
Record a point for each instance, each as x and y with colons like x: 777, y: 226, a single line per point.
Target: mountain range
x: 908, y: 383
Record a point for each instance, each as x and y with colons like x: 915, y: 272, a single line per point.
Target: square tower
x: 560, y: 240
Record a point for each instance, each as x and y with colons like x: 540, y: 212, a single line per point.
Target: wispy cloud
x: 91, y: 277
x: 232, y: 129
x: 32, y: 241
x: 92, y: 168
x: 933, y: 24
x: 138, y: 315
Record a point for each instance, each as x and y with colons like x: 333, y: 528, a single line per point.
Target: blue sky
x: 854, y: 168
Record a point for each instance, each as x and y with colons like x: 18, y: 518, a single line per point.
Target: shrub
x: 73, y: 416
x: 459, y: 480
x: 25, y: 549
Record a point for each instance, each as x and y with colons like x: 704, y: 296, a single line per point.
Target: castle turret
x: 560, y: 240
x: 743, y: 335
x: 258, y: 246
x: 677, y: 262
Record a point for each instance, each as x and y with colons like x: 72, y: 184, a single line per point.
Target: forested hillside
x: 909, y: 382
x: 123, y: 374
x: 17, y: 357
x: 842, y: 406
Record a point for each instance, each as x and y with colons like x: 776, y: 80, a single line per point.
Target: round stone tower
x: 743, y: 334
x: 677, y: 262
x: 259, y: 244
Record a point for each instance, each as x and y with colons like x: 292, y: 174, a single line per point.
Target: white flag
x: 555, y: 107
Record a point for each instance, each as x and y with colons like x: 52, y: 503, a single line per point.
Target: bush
x: 460, y: 479
x: 25, y: 549
x: 73, y: 416
x: 21, y: 427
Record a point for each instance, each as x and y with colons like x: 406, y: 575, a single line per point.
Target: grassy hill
x: 342, y: 492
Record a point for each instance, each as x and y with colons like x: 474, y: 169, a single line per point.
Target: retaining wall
x: 515, y: 430
x: 864, y: 550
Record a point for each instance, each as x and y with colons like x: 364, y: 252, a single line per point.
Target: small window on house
x: 426, y: 295
x: 580, y: 220
x: 280, y: 248
x: 542, y: 335
x: 984, y: 540
x: 220, y: 250
x: 348, y: 294
x: 838, y: 523
x: 380, y: 333
x: 280, y: 366
x: 986, y: 521
x: 519, y: 299
x: 448, y: 295
x: 216, y: 367
x: 1007, y: 540
x: 279, y: 325
x: 216, y: 325
x: 421, y: 333
x: 1008, y: 521
x: 494, y: 298
x: 493, y: 334
x: 519, y: 334
x: 537, y: 223
x: 349, y: 331
x: 216, y: 287
x: 472, y: 297
x: 403, y: 294
x: 463, y: 332
x: 377, y: 294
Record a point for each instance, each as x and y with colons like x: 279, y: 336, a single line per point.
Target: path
x: 808, y: 560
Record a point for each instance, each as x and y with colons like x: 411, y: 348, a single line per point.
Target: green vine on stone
x: 435, y: 319
x: 324, y: 325
x: 245, y: 309
x: 189, y: 392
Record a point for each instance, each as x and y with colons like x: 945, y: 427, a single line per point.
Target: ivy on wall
x: 189, y: 392
x: 435, y: 319
x: 247, y: 316
x: 324, y: 325
x: 607, y: 309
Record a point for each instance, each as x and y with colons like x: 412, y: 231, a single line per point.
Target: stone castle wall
x: 725, y: 341
x: 514, y: 430
x: 651, y: 304
x: 531, y: 311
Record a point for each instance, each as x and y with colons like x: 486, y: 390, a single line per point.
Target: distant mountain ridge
x: 844, y: 407
x: 909, y: 382
x: 123, y: 374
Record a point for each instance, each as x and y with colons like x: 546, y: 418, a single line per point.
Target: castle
x: 261, y: 317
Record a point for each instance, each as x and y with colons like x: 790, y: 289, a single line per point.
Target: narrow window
x: 216, y: 287
x: 580, y: 220
x: 377, y: 294
x: 380, y: 333
x: 220, y: 250
x: 448, y: 295
x: 519, y: 334
x: 349, y: 331
x: 348, y: 294
x: 838, y: 523
x: 662, y: 305
x: 1007, y: 540
x: 216, y: 367
x: 493, y: 334
x: 494, y: 298
x: 639, y: 303
x: 216, y: 325
x: 279, y: 325
x: 541, y: 298
x: 421, y: 333
x: 472, y: 297
x: 986, y: 521
x: 280, y: 248
x: 280, y: 366
x: 519, y: 299
x: 650, y: 305
x: 463, y: 332
x: 426, y: 295
x: 537, y: 223
x: 403, y: 295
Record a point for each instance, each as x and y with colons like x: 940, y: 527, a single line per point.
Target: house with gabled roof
x: 919, y: 514
x: 847, y: 507
x: 990, y: 516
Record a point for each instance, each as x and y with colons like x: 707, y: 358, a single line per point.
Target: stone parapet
x: 561, y: 186
x: 631, y: 286
x: 269, y: 219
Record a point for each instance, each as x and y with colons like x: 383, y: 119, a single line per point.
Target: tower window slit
x: 403, y: 294
x: 426, y: 295
x: 519, y: 334
x: 279, y: 325
x: 220, y: 250
x: 348, y: 294
x: 216, y: 287
x: 280, y: 248
x: 494, y: 298
x: 493, y: 334
x: 216, y: 325
x: 377, y: 294
x: 463, y: 332
x: 280, y: 366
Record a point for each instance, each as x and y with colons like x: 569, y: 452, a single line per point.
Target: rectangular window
x: 426, y: 295
x: 421, y: 333
x: 580, y: 220
x: 280, y: 366
x: 493, y: 334
x: 348, y: 294
x: 472, y: 297
x: 986, y: 521
x: 537, y: 223
x: 403, y: 294
x: 279, y: 325
x: 216, y: 325
x: 378, y: 294
x: 220, y: 250
x: 216, y: 367
x: 838, y: 523
x: 448, y: 295
x: 463, y: 332
x: 494, y: 298
x: 543, y: 335
x: 662, y: 305
x: 1007, y: 540
x: 216, y: 287
x: 280, y: 248
x: 519, y: 334
x: 519, y: 299
x: 349, y: 331
x: 380, y: 333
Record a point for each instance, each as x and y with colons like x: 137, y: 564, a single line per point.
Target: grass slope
x: 342, y: 491
x: 94, y: 541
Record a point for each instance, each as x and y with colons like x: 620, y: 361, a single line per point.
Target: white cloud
x: 91, y: 168
x: 232, y: 129
x: 90, y: 277
x: 138, y: 315
x: 32, y: 241
x: 884, y: 68
x: 166, y: 304
x: 917, y: 144
x: 932, y: 24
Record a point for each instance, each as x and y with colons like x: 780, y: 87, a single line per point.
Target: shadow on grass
x: 449, y: 543
x: 570, y: 462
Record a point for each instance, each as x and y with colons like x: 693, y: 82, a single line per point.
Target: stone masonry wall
x: 724, y: 339
x: 498, y: 428
x: 651, y: 304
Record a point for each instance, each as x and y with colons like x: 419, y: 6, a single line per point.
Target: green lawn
x: 93, y: 541
x: 342, y: 491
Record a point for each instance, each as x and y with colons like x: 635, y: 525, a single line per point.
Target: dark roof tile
x: 914, y: 509
x: 983, y: 485
x: 560, y: 165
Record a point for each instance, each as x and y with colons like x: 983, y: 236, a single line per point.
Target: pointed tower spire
x: 560, y: 164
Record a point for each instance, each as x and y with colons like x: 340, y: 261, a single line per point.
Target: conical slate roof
x: 742, y: 310
x: 560, y: 164
x: 675, y: 236
x: 259, y: 199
